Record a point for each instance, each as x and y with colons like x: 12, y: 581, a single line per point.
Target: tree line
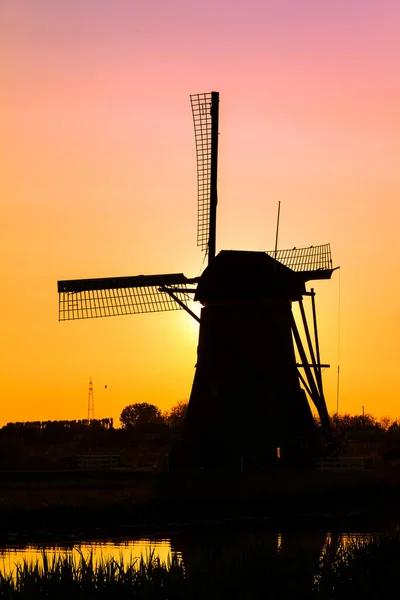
x: 142, y: 414
x: 346, y: 421
x: 75, y: 424
x: 137, y: 415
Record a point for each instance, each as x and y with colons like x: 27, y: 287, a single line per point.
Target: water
x: 201, y: 547
x: 122, y: 551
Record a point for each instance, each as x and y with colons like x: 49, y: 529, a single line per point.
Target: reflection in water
x: 249, y: 561
x: 122, y: 551
x: 243, y: 551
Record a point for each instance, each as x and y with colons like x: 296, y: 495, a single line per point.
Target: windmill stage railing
x: 311, y: 259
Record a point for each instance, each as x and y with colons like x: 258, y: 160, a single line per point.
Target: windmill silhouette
x: 249, y: 403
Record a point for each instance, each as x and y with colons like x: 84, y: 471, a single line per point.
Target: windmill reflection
x: 255, y: 563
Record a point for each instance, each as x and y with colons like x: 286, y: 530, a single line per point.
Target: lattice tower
x: 90, y: 402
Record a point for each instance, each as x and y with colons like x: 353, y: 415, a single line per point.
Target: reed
x: 359, y: 569
x: 66, y: 576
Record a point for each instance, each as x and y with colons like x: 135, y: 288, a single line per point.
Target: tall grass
x: 361, y: 570
x: 62, y: 577
x: 357, y: 570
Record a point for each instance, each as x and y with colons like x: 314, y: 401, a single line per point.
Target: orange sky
x: 98, y: 178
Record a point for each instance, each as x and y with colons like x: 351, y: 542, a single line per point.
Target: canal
x: 206, y: 546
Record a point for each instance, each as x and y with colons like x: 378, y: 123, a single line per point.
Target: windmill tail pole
x: 213, y: 176
x: 277, y: 233
x: 277, y: 228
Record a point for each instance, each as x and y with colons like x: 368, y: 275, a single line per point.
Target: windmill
x: 250, y: 399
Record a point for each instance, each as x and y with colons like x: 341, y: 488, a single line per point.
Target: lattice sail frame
x: 110, y: 297
x: 202, y: 121
x: 313, y: 258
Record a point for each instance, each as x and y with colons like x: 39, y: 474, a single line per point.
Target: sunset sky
x: 98, y: 179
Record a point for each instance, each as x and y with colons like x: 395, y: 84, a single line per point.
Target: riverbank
x: 53, y: 503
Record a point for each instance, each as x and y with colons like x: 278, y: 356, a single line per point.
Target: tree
x: 347, y: 422
x: 141, y: 413
x: 176, y: 416
x: 385, y: 423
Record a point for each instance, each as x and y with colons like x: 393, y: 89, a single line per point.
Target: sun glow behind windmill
x: 246, y: 333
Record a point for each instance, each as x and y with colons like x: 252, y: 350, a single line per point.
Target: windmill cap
x: 244, y: 275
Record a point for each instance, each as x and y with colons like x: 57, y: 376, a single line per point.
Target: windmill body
x: 246, y: 400
x: 248, y: 403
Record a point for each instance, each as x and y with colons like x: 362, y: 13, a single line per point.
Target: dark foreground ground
x: 52, y: 502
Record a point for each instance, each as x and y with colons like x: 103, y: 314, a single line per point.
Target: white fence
x: 93, y: 461
x: 340, y: 463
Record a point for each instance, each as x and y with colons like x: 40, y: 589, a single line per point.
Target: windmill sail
x: 114, y: 296
x: 205, y: 109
